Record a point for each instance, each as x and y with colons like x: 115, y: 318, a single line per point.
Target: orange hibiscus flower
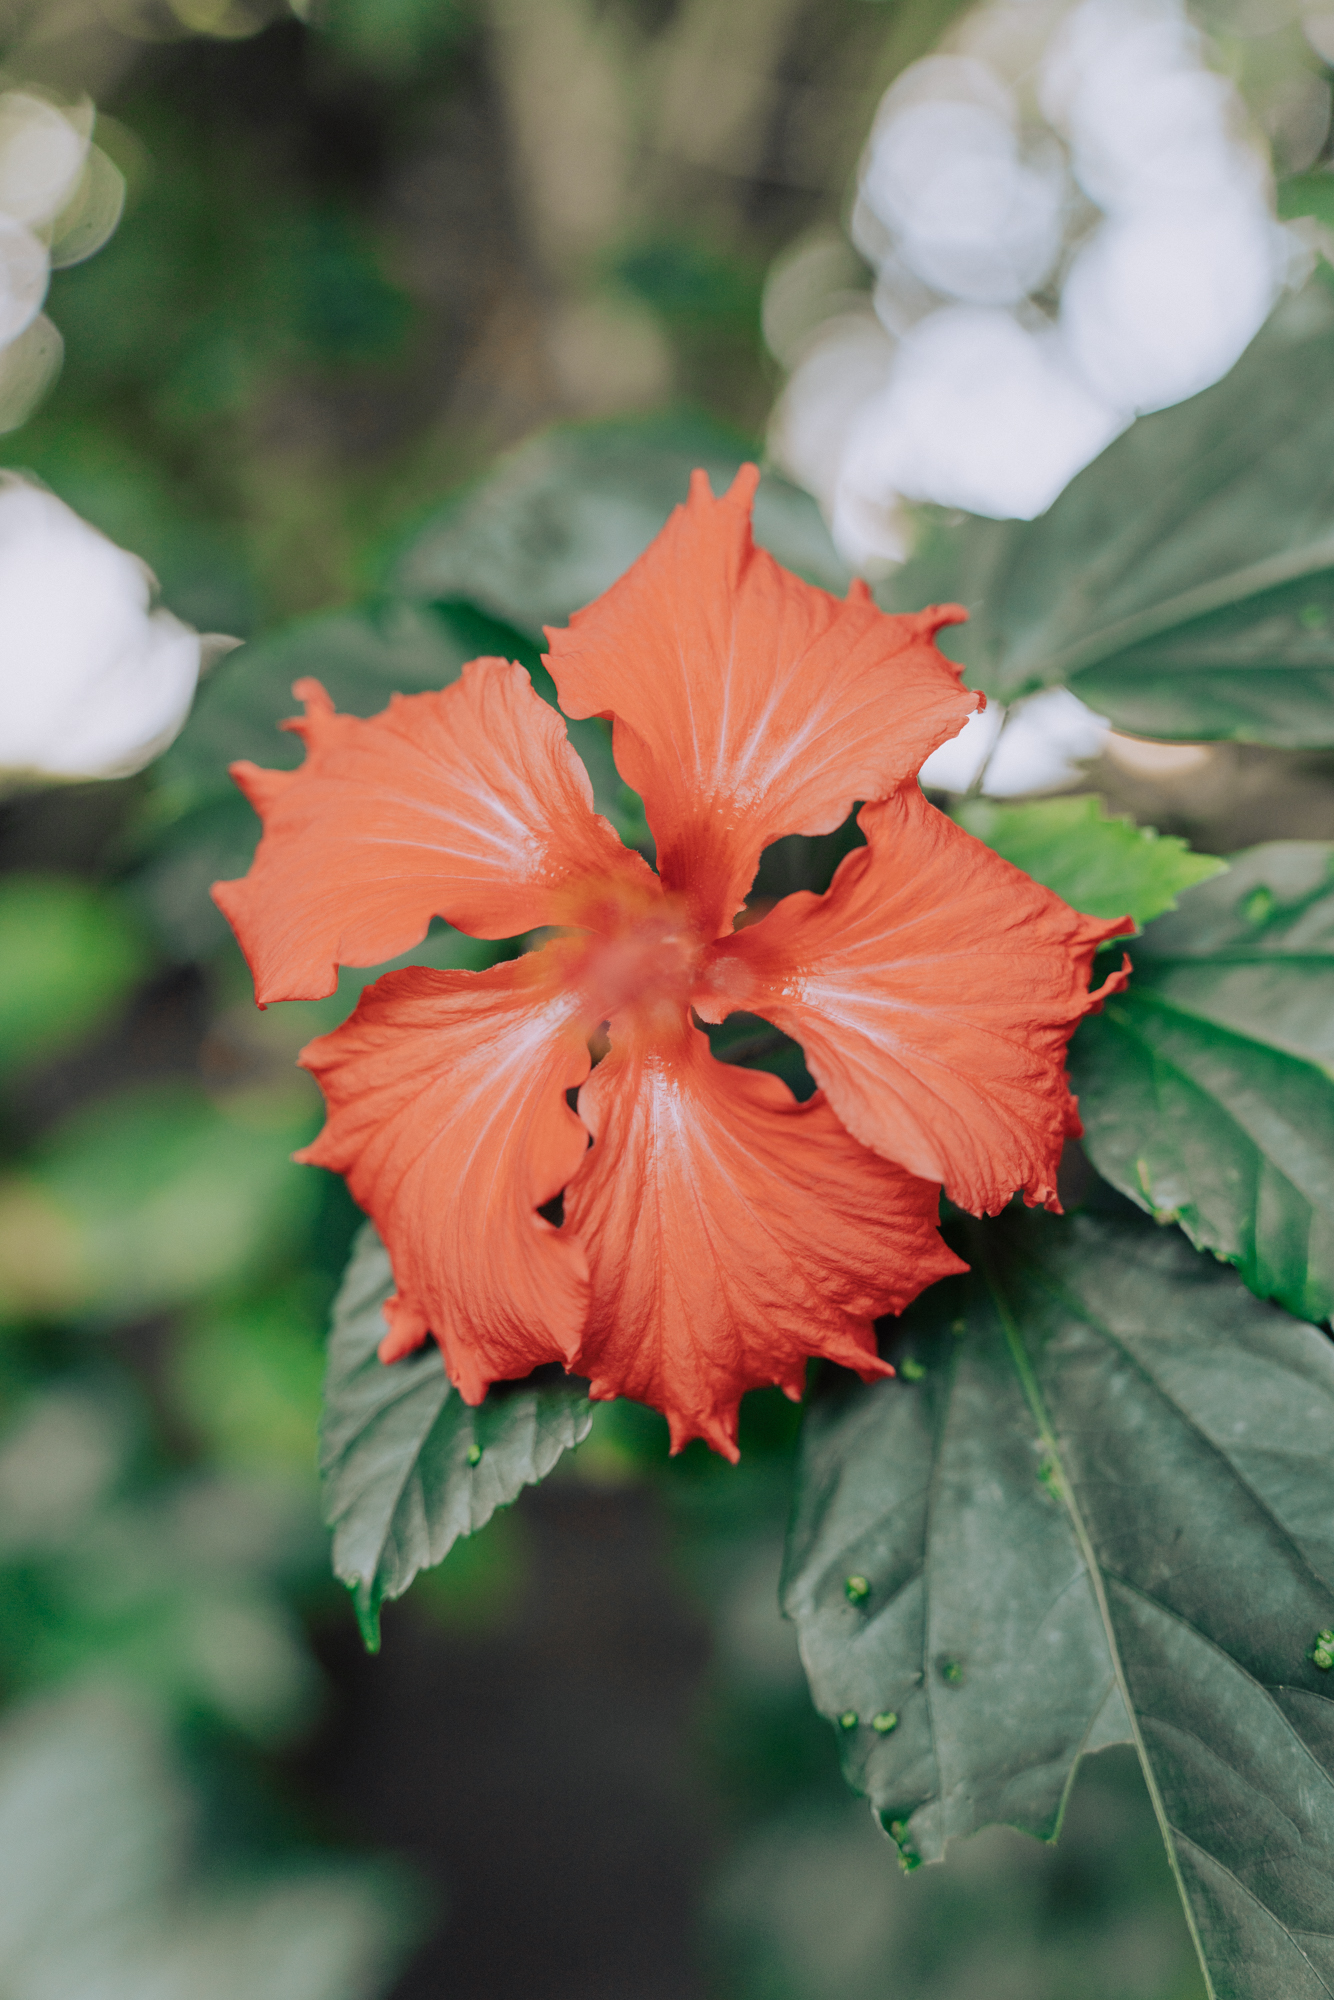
x: 716, y: 1233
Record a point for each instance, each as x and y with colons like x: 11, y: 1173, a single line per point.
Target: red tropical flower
x: 716, y: 1232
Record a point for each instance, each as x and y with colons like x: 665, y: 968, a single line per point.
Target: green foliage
x: 361, y: 657
x: 1307, y: 194
x: 564, y: 515
x: 408, y: 1466
x: 1100, y: 863
x: 1183, y: 584
x: 1206, y: 1088
x: 70, y: 954
x: 173, y: 1585
x: 112, y: 1889
x: 1102, y: 1508
x: 247, y: 1378
x: 150, y: 1199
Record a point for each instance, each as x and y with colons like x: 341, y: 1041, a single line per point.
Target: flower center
x: 648, y: 961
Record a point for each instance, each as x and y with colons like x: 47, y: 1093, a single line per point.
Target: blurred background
x: 312, y: 271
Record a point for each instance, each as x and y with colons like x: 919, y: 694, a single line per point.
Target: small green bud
x: 474, y: 1454
x: 884, y: 1722
x: 848, y: 1719
x: 1323, y: 1658
x: 856, y: 1589
x: 910, y: 1370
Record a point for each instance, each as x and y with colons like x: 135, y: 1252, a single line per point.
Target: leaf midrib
x: 1167, y: 1004
x: 1032, y: 1392
x: 1098, y: 1575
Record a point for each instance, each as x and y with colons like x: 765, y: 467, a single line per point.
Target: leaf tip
x: 366, y: 1604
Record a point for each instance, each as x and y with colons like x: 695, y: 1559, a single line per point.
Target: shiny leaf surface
x: 1102, y: 1492
x: 407, y: 1465
x: 1207, y: 1088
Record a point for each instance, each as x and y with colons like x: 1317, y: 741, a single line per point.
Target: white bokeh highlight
x: 1060, y: 242
x: 94, y: 681
x: 60, y: 199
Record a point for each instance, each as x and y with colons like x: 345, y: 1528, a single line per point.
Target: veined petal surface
x: 748, y: 704
x: 731, y: 1233
x: 933, y: 990
x: 447, y: 1113
x: 469, y: 804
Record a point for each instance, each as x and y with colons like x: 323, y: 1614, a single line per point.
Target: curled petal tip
x: 743, y: 488
x: 937, y: 616
x: 1115, y: 981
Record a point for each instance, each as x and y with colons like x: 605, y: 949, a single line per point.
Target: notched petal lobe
x: 731, y: 1233
x: 468, y: 804
x: 747, y: 703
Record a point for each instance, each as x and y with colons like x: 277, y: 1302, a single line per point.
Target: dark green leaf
x: 1108, y: 1495
x: 1183, y: 584
x: 1207, y: 1089
x: 567, y: 513
x: 1101, y: 864
x: 407, y: 1465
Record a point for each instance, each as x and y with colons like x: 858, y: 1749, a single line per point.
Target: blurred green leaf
x: 1307, y: 194
x: 110, y: 1893
x: 1100, y: 863
x: 362, y: 657
x: 1095, y: 1401
x: 394, y: 38
x: 246, y: 1378
x: 408, y: 1466
x: 70, y: 955
x: 173, y: 1587
x: 1207, y: 1089
x: 565, y: 514
x: 1183, y: 584
x: 152, y: 1198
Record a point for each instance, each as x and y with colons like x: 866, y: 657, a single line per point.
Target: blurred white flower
x: 93, y: 681
x: 42, y: 155
x: 977, y: 413
x: 1047, y: 267
x: 1039, y: 745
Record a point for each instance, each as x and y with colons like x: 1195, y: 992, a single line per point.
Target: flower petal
x: 731, y: 1232
x: 933, y: 990
x: 447, y: 1113
x: 747, y: 703
x: 469, y: 804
